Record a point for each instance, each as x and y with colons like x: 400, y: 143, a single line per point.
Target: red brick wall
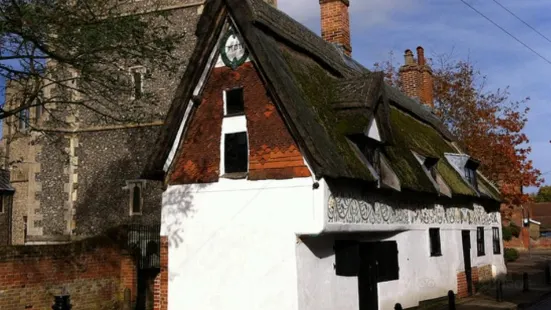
x: 93, y: 273
x: 273, y: 154
x: 161, y: 281
x: 462, y: 288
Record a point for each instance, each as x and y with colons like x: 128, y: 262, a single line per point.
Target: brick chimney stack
x: 416, y: 77
x: 335, y: 23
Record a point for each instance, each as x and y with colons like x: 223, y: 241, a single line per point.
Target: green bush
x: 507, y: 233
x: 515, y: 230
x: 510, y: 255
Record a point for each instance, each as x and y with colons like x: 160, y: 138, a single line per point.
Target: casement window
x: 496, y: 240
x: 137, y: 75
x: 435, y: 245
x: 470, y: 172
x: 350, y: 255
x: 480, y: 241
x: 234, y: 103
x: 236, y: 152
x: 135, y: 189
x: 347, y: 258
x: 387, y: 261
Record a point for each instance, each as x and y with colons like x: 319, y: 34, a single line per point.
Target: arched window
x: 136, y: 199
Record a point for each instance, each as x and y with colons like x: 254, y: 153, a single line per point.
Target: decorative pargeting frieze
x: 345, y: 209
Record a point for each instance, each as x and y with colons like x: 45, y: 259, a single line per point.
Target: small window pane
x: 234, y: 102
x: 236, y: 152
x: 136, y: 199
x: 480, y: 241
x: 496, y: 240
x: 435, y: 245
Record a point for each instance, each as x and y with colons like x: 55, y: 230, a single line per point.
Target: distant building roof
x: 541, y: 212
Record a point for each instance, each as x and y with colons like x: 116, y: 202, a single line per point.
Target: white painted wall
x: 232, y: 244
x: 421, y: 276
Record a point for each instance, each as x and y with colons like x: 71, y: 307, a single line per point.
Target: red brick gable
x: 273, y: 153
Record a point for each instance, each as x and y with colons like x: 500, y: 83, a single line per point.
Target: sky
x: 449, y: 26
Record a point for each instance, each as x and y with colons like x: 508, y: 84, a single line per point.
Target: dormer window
x: 370, y: 149
x: 234, y: 103
x: 470, y: 172
x: 430, y: 163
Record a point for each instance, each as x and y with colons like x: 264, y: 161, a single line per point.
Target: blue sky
x: 445, y: 26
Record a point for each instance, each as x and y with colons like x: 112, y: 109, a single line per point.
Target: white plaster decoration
x: 345, y: 209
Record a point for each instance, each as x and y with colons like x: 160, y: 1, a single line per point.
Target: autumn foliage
x: 488, y: 125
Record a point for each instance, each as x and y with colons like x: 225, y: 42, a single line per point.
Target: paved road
x: 544, y: 305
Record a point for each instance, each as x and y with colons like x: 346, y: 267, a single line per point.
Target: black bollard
x: 398, y: 307
x: 548, y: 273
x: 451, y: 300
x: 525, y: 287
x: 499, y: 291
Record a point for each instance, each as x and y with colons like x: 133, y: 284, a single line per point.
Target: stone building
x: 78, y: 180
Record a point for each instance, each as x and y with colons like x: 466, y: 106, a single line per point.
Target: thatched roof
x: 324, y: 96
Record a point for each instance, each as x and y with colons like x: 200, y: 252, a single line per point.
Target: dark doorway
x: 367, y: 277
x: 466, y: 240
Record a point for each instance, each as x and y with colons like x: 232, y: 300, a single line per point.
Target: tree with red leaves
x: 488, y: 125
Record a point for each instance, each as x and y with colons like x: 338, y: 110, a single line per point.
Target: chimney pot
x: 408, y: 57
x: 421, y: 56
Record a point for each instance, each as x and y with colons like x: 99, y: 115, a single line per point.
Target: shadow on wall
x: 103, y: 199
x: 322, y: 246
x: 177, y: 206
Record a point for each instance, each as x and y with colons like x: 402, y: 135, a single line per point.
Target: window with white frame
x: 135, y: 189
x: 234, y: 145
x: 137, y: 75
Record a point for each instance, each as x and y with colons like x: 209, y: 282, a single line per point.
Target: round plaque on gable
x: 232, y: 51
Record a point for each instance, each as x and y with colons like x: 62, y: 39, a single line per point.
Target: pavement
x: 538, y: 297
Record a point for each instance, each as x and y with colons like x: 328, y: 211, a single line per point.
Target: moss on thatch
x: 318, y: 90
x: 411, y: 134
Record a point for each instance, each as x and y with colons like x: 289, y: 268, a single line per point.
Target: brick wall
x: 95, y: 272
x: 335, y: 23
x: 273, y: 153
x: 462, y: 288
x: 161, y: 281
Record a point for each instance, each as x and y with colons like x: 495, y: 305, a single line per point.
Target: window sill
x: 436, y: 255
x: 235, y: 114
x: 235, y: 175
